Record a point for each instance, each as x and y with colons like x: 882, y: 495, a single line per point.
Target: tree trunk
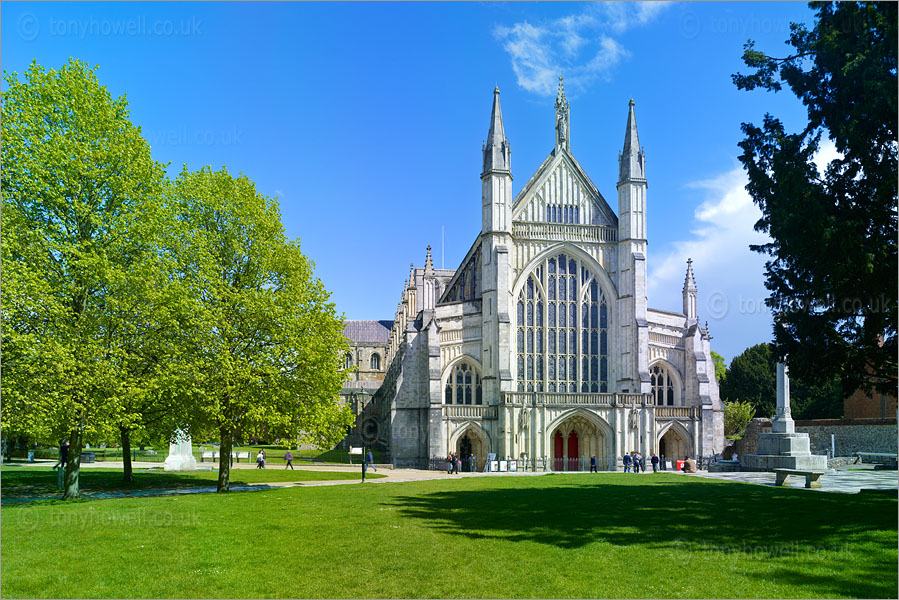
x: 73, y: 467
x: 224, y: 484
x: 128, y: 472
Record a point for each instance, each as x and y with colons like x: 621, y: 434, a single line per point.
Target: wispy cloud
x: 582, y: 46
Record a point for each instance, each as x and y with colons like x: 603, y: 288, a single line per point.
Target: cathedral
x: 540, y: 348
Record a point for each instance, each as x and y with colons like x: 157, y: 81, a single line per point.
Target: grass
x: 607, y: 535
x: 34, y: 481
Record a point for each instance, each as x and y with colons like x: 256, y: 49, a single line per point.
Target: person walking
x: 449, y: 463
x: 370, y: 459
x: 593, y: 464
x: 636, y: 461
x: 627, y: 463
x: 63, y: 455
x: 457, y: 466
x: 288, y: 456
x: 655, y: 463
x: 260, y: 460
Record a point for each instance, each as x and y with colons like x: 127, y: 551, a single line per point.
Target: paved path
x: 842, y: 481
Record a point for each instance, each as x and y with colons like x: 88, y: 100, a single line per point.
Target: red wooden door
x: 573, y: 453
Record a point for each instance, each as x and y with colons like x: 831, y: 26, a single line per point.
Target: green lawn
x: 33, y: 481
x: 607, y: 535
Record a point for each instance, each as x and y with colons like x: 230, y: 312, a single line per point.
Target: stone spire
x: 497, y: 152
x: 563, y: 131
x: 632, y: 160
x: 689, y: 293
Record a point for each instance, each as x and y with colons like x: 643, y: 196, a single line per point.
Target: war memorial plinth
x: 783, y: 448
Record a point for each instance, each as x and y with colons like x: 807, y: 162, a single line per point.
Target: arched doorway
x: 675, y: 444
x: 472, y: 447
x: 575, y: 440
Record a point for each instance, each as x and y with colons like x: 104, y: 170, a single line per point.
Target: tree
x: 832, y: 271
x: 81, y: 210
x: 751, y: 379
x: 736, y: 416
x: 720, y: 367
x: 265, y: 342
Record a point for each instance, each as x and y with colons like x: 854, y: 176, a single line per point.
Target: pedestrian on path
x: 593, y: 464
x: 63, y: 455
x: 371, y: 460
x: 627, y: 463
x: 260, y: 460
x: 457, y: 463
x: 655, y: 463
x: 288, y: 456
x: 449, y: 463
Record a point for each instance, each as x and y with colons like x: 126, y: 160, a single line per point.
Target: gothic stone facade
x: 541, y: 346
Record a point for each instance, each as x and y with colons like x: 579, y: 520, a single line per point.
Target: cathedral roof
x: 367, y: 331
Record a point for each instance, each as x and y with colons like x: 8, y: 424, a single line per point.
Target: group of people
x: 453, y: 463
x: 637, y: 461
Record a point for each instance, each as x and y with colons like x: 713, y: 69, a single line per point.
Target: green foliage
x: 80, y: 218
x: 402, y: 540
x: 832, y: 271
x: 751, y: 378
x: 720, y: 367
x: 265, y: 342
x: 736, y: 416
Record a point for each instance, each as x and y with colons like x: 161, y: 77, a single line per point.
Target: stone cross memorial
x: 783, y: 448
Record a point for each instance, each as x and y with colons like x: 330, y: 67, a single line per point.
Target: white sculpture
x: 180, y: 456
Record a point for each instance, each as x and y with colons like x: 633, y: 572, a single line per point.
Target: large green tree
x: 265, y: 341
x: 832, y: 272
x: 751, y: 378
x: 81, y: 214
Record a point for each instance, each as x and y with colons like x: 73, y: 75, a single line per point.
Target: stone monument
x: 783, y: 448
x: 180, y: 456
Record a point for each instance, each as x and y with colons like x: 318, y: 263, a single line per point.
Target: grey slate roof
x: 367, y: 331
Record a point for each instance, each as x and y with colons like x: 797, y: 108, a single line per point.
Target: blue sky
x: 366, y: 120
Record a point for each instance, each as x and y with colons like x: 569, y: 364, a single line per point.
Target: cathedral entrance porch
x: 675, y: 443
x: 574, y: 441
x: 471, y: 446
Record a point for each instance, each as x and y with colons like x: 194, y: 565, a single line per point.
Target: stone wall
x: 850, y: 435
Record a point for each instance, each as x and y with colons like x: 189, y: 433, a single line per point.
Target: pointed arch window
x: 463, y: 385
x: 562, y: 334
x: 665, y: 390
x: 375, y: 362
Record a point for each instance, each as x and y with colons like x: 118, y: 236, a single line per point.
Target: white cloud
x: 582, y: 47
x: 729, y: 276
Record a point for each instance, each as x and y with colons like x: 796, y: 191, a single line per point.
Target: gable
x: 561, y: 192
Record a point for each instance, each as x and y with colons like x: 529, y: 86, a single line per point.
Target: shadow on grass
x: 720, y: 519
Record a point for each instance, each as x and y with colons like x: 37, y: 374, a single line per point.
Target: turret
x: 496, y: 178
x: 631, y: 183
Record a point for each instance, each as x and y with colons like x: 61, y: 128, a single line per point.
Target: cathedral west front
x: 540, y: 347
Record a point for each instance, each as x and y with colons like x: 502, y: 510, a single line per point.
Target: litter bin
x: 31, y: 456
x: 87, y: 457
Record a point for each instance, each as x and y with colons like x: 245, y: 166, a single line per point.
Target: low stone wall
x: 850, y: 435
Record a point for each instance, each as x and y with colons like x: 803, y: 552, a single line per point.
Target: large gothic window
x: 562, y: 336
x: 463, y: 386
x: 665, y: 392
